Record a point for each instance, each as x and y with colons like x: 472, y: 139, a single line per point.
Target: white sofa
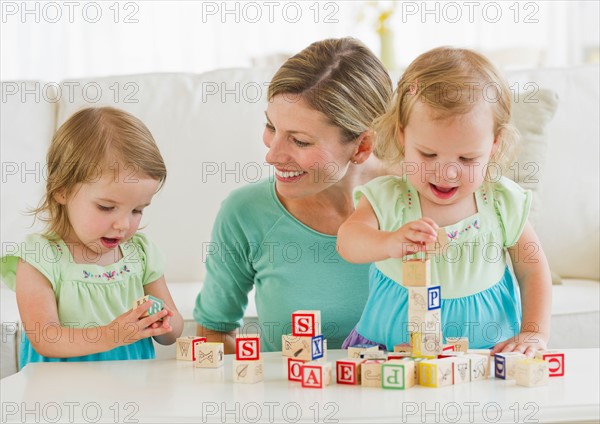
x: 209, y: 129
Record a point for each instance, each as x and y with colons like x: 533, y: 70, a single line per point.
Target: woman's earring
x: 355, y: 162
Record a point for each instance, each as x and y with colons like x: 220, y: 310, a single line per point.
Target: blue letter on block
x: 317, y: 347
x: 434, y: 298
x: 500, y: 366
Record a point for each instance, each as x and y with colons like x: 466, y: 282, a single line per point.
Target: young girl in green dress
x: 76, y: 283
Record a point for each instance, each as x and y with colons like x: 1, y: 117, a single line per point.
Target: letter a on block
x: 312, y: 376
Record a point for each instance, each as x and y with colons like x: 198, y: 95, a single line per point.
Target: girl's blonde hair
x: 91, y: 142
x: 340, y: 78
x: 451, y: 82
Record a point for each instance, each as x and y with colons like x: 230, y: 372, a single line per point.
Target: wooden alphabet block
x: 424, y: 321
x: 460, y: 344
x: 247, y: 348
x: 398, y: 374
x: 428, y: 345
x: 209, y: 355
x: 416, y: 273
x: 532, y: 372
x: 461, y: 370
x: 157, y: 305
x: 306, y: 348
x: 306, y: 323
x: 380, y: 354
x: 294, y: 367
x: 423, y: 299
x: 316, y: 374
x: 370, y: 375
x: 186, y: 347
x: 356, y: 350
x: 247, y: 371
x: 442, y: 238
x: 403, y: 348
x: 505, y: 363
x: 479, y: 366
x: 556, y: 361
x: 436, y: 372
x: 348, y: 371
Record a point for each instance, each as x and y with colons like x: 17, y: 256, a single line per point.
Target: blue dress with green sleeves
x: 87, y: 295
x: 480, y: 296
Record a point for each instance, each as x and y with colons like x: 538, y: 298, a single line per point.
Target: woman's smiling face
x: 307, y: 151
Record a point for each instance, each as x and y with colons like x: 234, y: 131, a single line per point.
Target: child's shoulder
x: 506, y: 190
x: 387, y: 183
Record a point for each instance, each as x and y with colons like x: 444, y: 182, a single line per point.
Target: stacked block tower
x: 305, y: 349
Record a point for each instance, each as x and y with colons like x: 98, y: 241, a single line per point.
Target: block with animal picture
x: 436, y: 372
x: 306, y: 323
x: 306, y: 348
x: 370, y: 375
x: 556, y: 361
x: 505, y: 363
x: 416, y: 273
x: 398, y: 374
x: 356, y: 350
x: 461, y: 369
x: 423, y: 299
x: 532, y: 372
x: 348, y: 371
x: 247, y: 347
x: 479, y: 366
x: 316, y: 374
x: 246, y: 371
x: 209, y: 355
x: 186, y: 347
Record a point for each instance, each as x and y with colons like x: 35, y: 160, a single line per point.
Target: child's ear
x: 60, y: 196
x: 496, y: 143
x: 364, y: 148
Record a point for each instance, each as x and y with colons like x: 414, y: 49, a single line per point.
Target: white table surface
x: 175, y: 391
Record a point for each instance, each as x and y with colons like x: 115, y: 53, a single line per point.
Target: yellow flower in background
x: 383, y: 11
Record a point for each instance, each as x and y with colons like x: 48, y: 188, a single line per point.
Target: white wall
x: 54, y: 40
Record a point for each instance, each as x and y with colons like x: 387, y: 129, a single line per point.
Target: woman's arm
x: 227, y: 338
x: 173, y: 321
x: 533, y: 274
x: 361, y: 241
x: 39, y: 315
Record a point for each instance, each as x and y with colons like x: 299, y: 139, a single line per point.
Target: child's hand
x: 131, y: 327
x: 165, y: 323
x: 412, y: 238
x: 527, y: 342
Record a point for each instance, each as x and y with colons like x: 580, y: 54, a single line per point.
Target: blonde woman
x: 77, y: 282
x: 280, y: 233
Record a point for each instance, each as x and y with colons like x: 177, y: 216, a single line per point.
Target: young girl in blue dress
x: 449, y: 128
x: 76, y: 283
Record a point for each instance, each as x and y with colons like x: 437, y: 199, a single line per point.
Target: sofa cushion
x: 209, y: 129
x: 568, y: 225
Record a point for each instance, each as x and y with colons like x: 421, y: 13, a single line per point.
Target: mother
x: 281, y: 234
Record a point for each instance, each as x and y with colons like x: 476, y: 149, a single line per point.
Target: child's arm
x: 361, y: 241
x: 533, y: 274
x: 173, y: 322
x: 39, y: 315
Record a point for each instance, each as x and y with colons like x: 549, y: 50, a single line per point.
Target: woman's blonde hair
x: 340, y: 78
x: 91, y: 142
x: 451, y: 82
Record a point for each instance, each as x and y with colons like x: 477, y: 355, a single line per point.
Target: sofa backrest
x: 209, y: 129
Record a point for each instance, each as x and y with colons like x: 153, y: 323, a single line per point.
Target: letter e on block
x: 306, y: 323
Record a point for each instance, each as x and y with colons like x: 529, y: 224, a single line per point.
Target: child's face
x: 305, y: 149
x: 107, y: 212
x: 445, y: 160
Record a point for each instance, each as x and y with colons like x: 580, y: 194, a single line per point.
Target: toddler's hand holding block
x: 157, y: 305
